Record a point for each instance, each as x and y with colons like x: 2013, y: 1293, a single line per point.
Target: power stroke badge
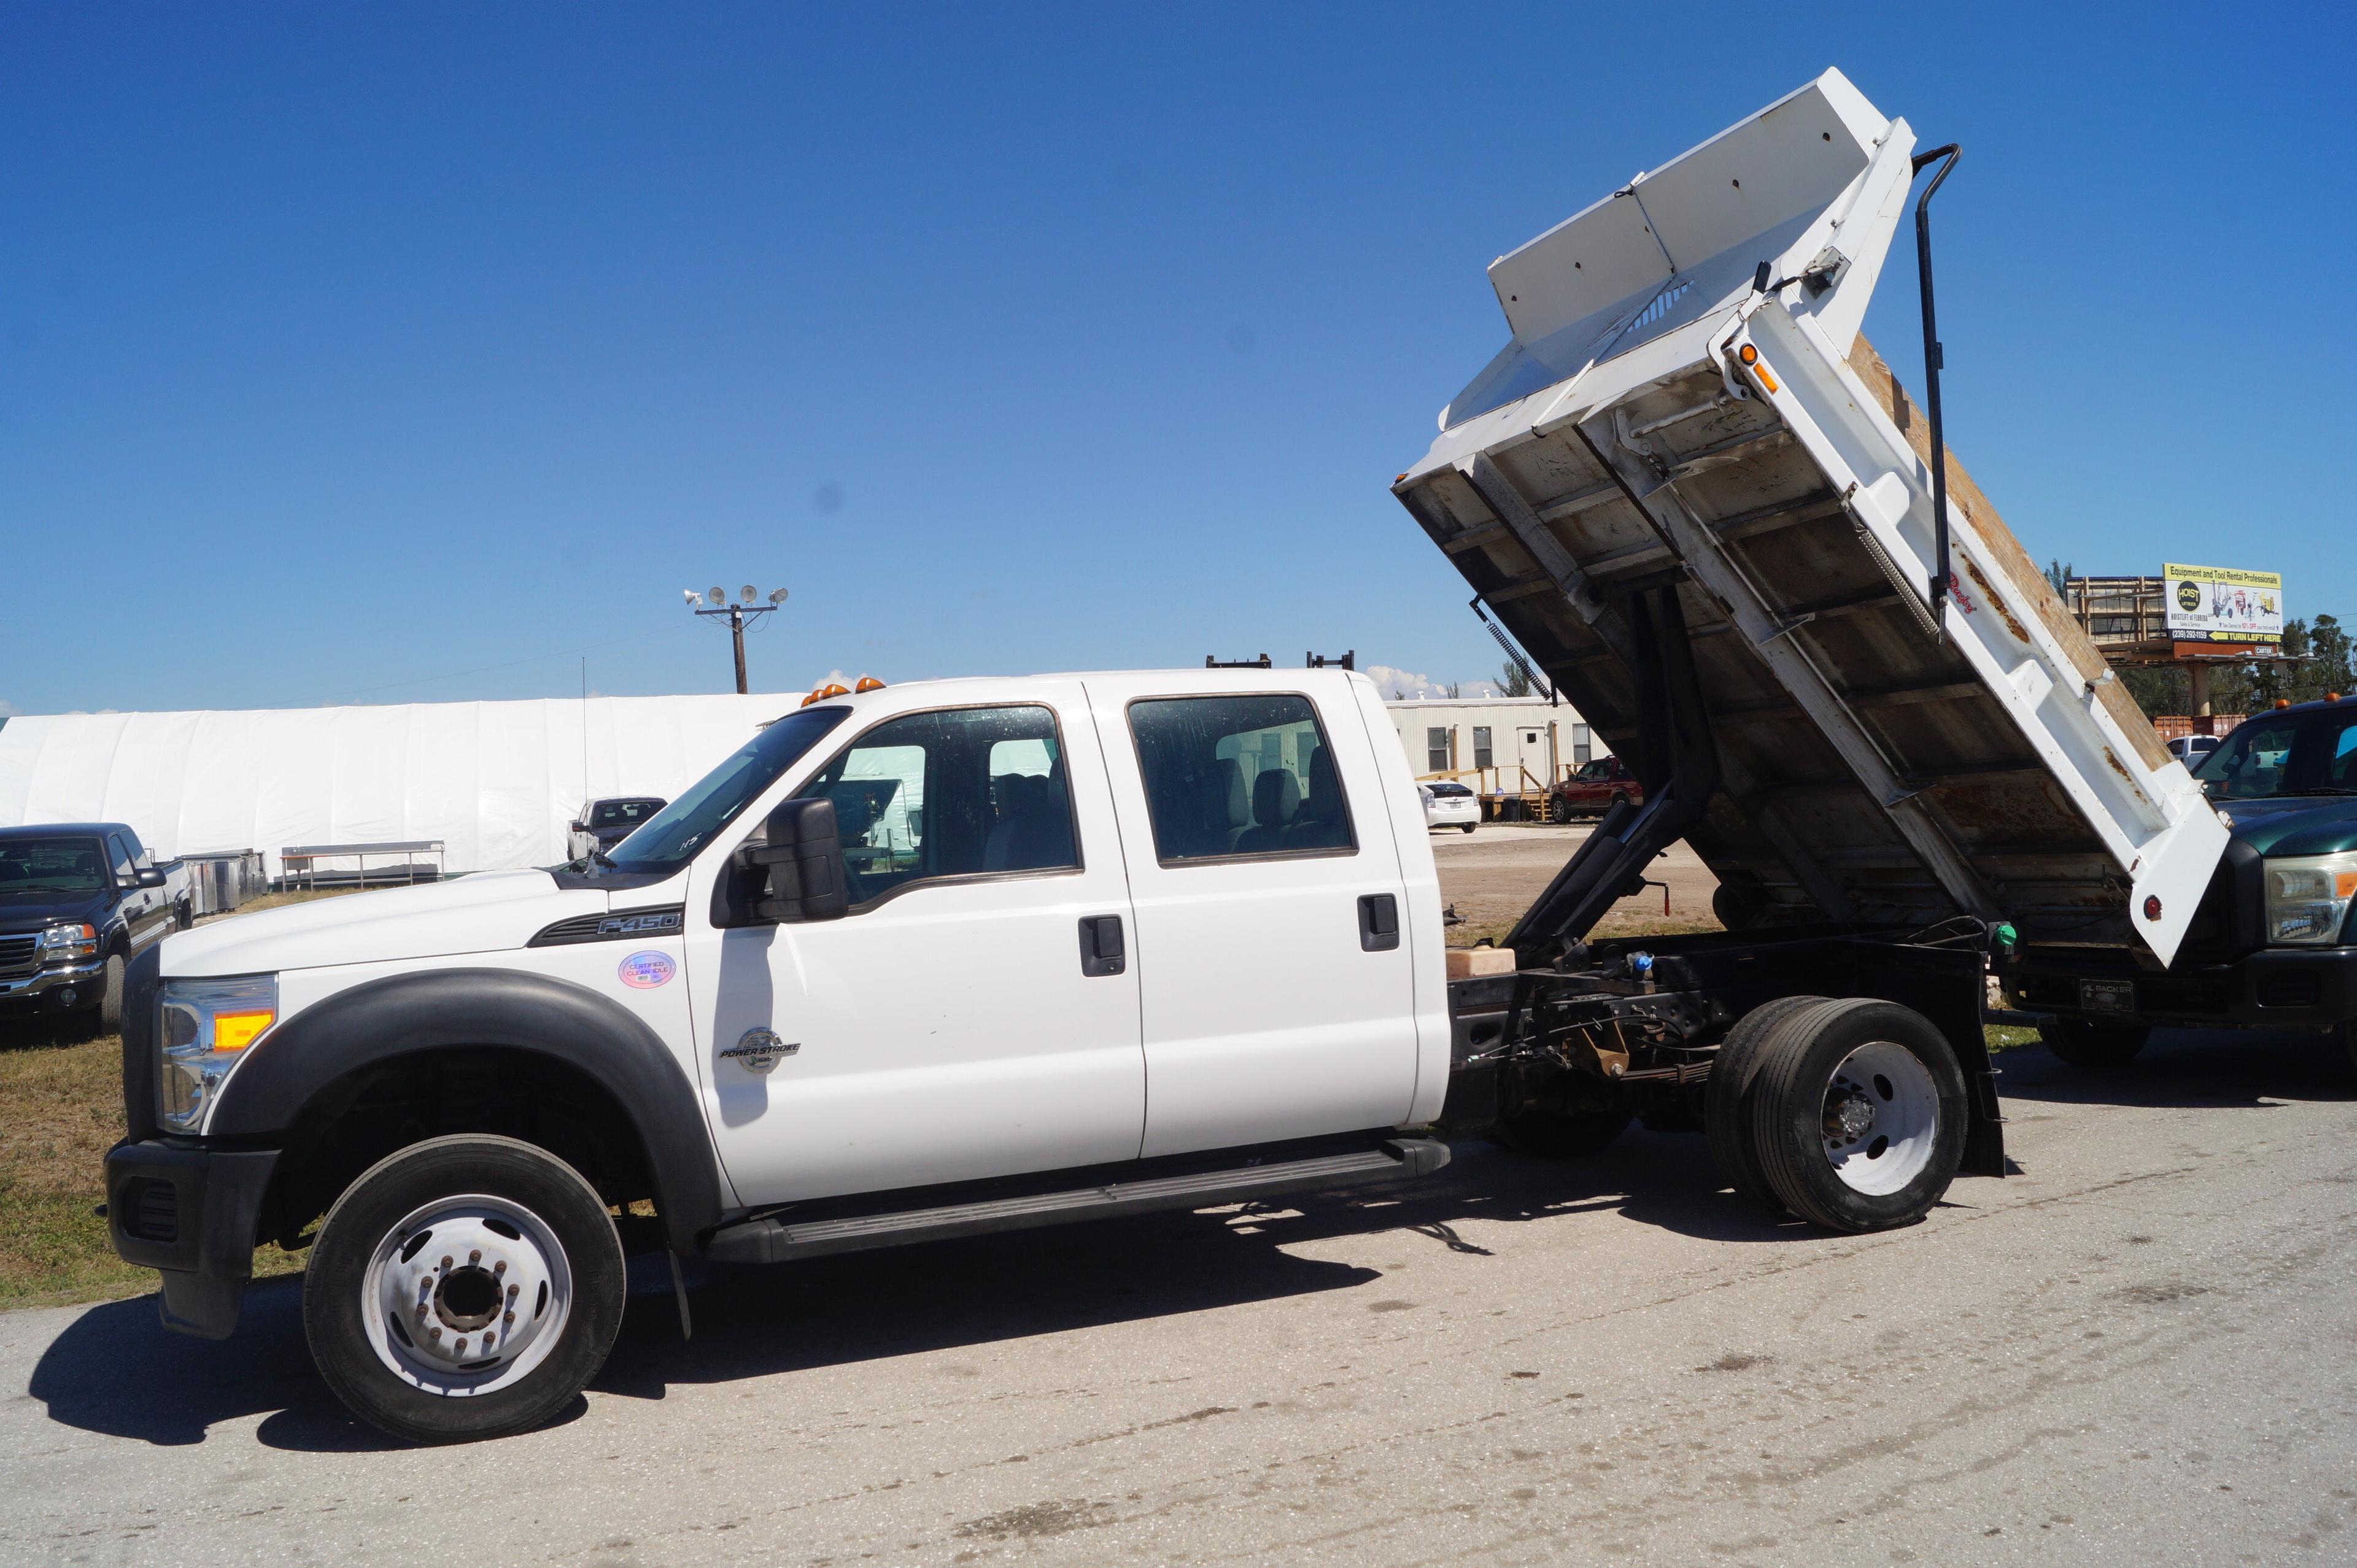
x: 760, y: 1049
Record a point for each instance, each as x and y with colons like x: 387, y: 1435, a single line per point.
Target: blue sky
x: 408, y: 354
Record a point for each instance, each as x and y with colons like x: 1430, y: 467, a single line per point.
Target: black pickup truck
x: 77, y: 900
x: 2274, y: 945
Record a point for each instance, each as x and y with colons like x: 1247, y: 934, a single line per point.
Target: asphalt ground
x: 2139, y: 1348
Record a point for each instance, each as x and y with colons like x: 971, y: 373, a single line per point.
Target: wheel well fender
x: 432, y: 1012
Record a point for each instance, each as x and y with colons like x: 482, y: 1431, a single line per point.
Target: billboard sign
x: 2214, y: 604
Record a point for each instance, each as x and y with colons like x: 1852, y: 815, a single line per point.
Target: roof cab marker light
x: 824, y: 689
x: 869, y: 683
x: 1750, y: 358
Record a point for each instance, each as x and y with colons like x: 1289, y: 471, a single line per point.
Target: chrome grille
x: 18, y: 954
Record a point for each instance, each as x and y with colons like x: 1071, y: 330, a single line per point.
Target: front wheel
x: 463, y: 1287
x: 2099, y: 1048
x: 110, y: 997
x: 1859, y: 1114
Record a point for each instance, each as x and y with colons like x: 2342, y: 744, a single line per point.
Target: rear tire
x: 1465, y: 827
x: 2097, y: 1047
x: 389, y: 1318
x: 1859, y: 1114
x: 1727, y: 1098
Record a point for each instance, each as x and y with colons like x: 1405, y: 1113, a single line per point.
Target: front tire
x: 1857, y: 1114
x: 2098, y: 1047
x: 464, y: 1287
x: 109, y: 1011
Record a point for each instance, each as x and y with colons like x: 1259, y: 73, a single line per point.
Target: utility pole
x: 748, y: 607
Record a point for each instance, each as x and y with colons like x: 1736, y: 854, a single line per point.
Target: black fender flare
x: 380, y: 1020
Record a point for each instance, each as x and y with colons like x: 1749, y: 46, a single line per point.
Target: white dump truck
x: 958, y: 957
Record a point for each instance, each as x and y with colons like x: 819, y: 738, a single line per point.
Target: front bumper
x: 191, y: 1213
x: 2276, y: 988
x: 43, y: 983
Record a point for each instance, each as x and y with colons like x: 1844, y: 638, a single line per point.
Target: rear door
x: 1276, y: 977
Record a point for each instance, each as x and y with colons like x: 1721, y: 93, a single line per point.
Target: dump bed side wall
x: 2029, y: 583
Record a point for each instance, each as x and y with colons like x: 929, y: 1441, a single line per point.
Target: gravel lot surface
x: 2141, y: 1349
x: 1492, y: 873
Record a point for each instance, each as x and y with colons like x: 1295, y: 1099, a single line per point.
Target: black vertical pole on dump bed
x: 1932, y: 379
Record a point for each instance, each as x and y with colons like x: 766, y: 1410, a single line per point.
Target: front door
x: 1277, y: 1005
x: 953, y: 1027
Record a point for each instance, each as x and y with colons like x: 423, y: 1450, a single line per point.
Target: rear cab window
x: 1239, y: 777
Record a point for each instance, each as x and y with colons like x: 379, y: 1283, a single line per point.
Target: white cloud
x: 1396, y: 683
x: 9, y: 710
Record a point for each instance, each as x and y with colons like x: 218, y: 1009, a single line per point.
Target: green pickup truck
x: 2274, y: 945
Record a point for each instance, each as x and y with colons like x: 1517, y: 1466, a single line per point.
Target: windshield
x: 2293, y: 754
x: 673, y: 835
x: 50, y: 866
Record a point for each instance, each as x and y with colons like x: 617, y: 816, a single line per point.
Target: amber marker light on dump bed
x: 1750, y: 358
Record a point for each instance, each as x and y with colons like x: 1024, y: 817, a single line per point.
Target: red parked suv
x: 1592, y: 789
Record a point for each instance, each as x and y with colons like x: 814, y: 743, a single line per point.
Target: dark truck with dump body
x: 2273, y: 944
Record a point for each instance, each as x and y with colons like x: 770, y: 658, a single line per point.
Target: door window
x: 1481, y: 750
x: 1580, y: 743
x: 1435, y: 750
x: 960, y: 792
x: 126, y: 864
x: 1239, y: 776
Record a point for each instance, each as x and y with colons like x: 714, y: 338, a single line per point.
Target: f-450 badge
x: 760, y: 1049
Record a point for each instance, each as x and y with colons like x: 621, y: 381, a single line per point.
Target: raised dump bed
x: 1688, y: 451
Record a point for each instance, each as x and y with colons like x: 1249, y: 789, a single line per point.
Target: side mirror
x: 577, y: 827
x: 149, y: 876
x: 803, y: 864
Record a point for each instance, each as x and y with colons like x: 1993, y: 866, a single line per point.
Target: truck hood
x: 32, y: 912
x: 489, y: 912
x: 2296, y: 825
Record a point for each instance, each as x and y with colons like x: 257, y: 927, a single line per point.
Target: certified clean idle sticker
x: 646, y: 970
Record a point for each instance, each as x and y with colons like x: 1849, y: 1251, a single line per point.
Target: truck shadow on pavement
x: 117, y: 1372
x: 2206, y: 1068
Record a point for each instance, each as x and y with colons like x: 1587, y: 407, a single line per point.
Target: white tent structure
x: 496, y: 782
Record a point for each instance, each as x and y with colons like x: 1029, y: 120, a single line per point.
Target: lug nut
x: 435, y: 1335
x: 500, y: 1267
x: 461, y: 1347
x: 507, y: 1320
x: 476, y: 1256
x: 511, y: 1293
x: 446, y: 1260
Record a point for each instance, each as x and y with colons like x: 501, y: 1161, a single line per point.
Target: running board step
x: 778, y: 1239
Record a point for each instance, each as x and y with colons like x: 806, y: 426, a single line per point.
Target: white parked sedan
x: 1447, y: 805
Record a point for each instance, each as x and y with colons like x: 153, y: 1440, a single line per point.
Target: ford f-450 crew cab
x: 940, y: 958
x: 964, y: 956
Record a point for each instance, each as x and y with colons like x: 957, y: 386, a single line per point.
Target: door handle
x: 1378, y: 922
x: 1101, y: 945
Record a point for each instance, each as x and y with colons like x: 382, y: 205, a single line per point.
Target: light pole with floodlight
x: 738, y: 615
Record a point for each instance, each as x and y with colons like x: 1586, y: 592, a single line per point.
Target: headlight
x: 2307, y: 897
x: 63, y: 944
x: 206, y: 1025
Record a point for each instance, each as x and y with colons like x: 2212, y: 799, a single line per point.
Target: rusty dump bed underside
x: 1794, y: 817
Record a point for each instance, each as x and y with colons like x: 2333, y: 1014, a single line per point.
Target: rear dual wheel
x: 1849, y: 1113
